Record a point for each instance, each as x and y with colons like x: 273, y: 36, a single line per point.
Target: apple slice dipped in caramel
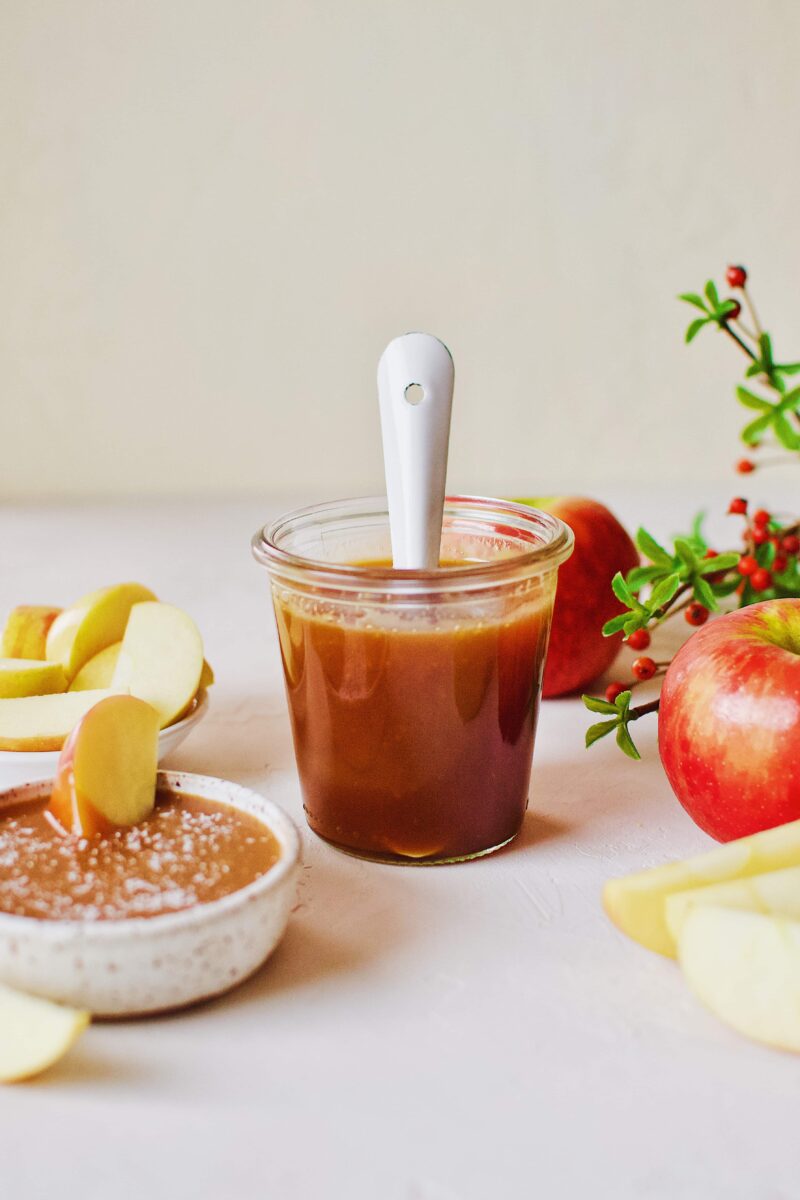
x: 161, y: 659
x: 106, y: 775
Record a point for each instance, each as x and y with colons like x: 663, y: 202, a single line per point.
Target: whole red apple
x: 729, y: 721
x: 584, y: 600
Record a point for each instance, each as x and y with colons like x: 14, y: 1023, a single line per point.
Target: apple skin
x: 729, y: 721
x: 578, y: 652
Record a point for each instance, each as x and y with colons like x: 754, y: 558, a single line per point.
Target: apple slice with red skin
x: 578, y: 652
x: 26, y: 629
x: 106, y: 775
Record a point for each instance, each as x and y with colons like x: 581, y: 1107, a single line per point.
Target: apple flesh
x: 33, y: 723
x: 98, y: 672
x: 96, y: 621
x: 745, y: 966
x: 106, y: 776
x: 773, y: 892
x: 161, y: 660
x: 637, y: 903
x: 729, y: 721
x: 578, y: 652
x: 26, y: 677
x: 25, y: 631
x: 34, y: 1033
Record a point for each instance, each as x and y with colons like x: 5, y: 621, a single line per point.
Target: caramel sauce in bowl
x: 180, y: 929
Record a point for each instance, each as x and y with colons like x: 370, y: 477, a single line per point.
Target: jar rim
x: 550, y: 538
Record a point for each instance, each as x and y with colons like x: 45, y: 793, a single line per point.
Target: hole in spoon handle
x: 415, y: 392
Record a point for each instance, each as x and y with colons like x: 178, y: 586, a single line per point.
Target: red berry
x: 736, y: 276
x: 760, y: 580
x: 696, y: 613
x: 747, y: 565
x: 733, y: 313
x: 738, y: 505
x: 780, y: 563
x: 615, y: 689
x: 710, y: 553
x: 760, y: 535
x: 791, y: 543
x: 643, y: 668
x: 745, y: 465
x: 638, y: 640
x: 761, y: 517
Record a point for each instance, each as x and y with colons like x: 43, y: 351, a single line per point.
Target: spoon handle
x: 415, y: 392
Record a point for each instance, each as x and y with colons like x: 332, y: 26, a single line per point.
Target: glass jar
x: 414, y: 695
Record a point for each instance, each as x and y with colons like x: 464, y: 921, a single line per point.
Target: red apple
x: 584, y: 601
x: 729, y: 721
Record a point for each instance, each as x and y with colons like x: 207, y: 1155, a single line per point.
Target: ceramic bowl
x: 20, y: 766
x: 142, y: 965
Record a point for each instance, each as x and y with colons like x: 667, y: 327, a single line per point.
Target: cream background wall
x: 215, y: 213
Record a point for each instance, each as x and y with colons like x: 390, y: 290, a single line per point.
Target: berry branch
x: 689, y: 577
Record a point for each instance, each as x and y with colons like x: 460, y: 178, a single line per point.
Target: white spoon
x: 415, y: 392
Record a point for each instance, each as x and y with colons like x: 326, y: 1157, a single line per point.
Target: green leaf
x: 697, y: 528
x: 785, y: 432
x: 727, y: 587
x: 596, y: 705
x: 621, y: 590
x: 765, y: 342
x: 788, y: 368
x: 790, y: 402
x: 651, y: 548
x: 639, y: 576
x: 752, y: 432
x: 750, y: 400
x: 595, y: 732
x: 663, y: 592
x: 685, y: 553
x: 693, y: 298
x: 694, y: 329
x: 727, y: 306
x: 615, y: 624
x: 625, y: 742
x: 721, y: 562
x: 754, y: 369
x: 704, y: 594
x: 712, y: 293
x: 765, y: 554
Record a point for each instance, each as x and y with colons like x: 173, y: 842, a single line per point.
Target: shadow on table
x: 344, y: 919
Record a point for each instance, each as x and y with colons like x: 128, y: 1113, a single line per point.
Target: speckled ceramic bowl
x: 24, y: 766
x: 142, y: 965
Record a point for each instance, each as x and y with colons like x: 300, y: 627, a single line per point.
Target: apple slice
x: 27, y: 677
x: 34, y: 1033
x: 772, y: 892
x: 206, y: 677
x: 636, y: 903
x: 43, y: 722
x: 745, y: 967
x: 161, y: 659
x: 98, y: 671
x: 25, y: 631
x: 106, y: 776
x: 91, y: 624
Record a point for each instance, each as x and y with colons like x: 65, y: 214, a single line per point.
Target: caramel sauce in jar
x: 414, y: 744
